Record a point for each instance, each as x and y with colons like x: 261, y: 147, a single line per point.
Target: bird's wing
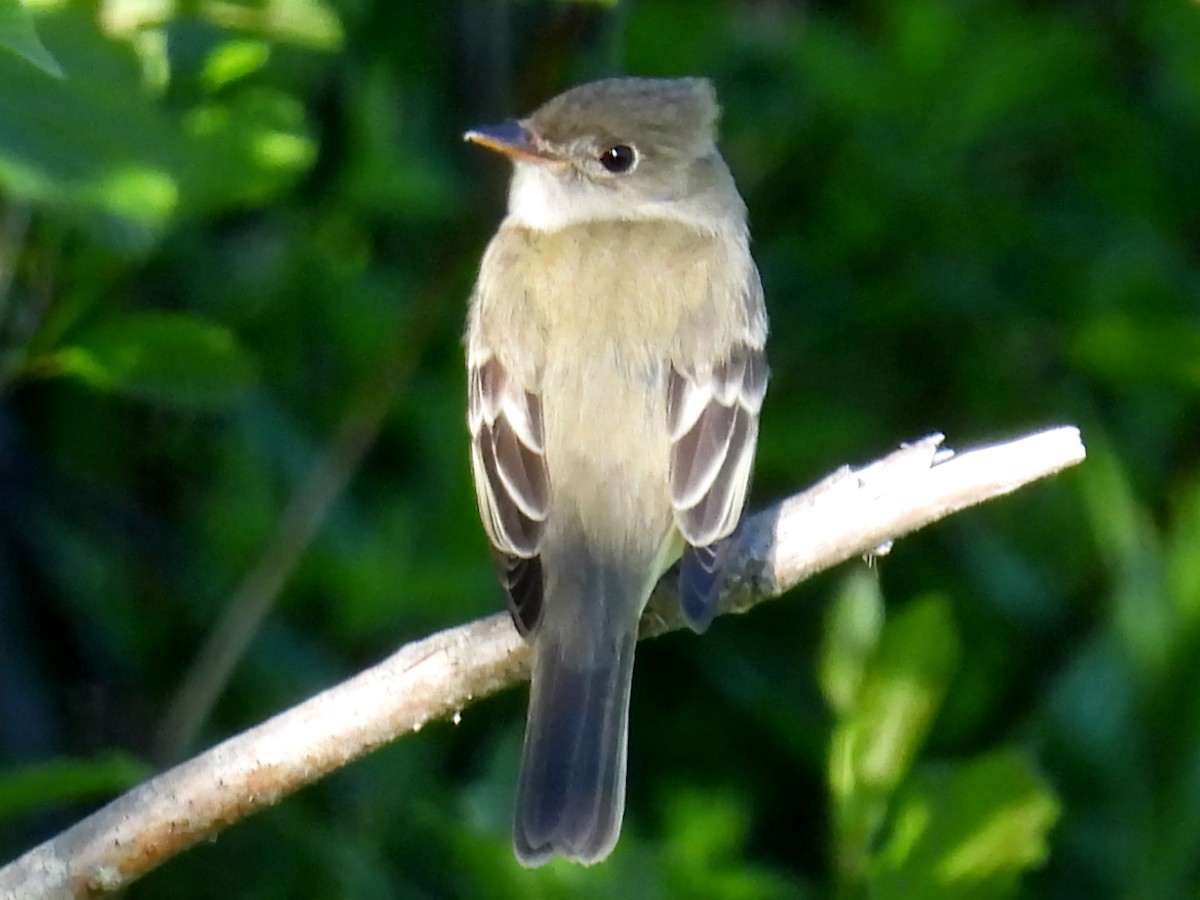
x: 712, y: 416
x: 512, y: 484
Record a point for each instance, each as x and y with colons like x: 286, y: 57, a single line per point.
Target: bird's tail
x: 571, y: 793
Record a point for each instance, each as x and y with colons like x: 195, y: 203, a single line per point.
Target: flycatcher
x: 615, y: 376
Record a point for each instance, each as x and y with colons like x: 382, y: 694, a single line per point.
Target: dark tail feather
x: 571, y: 793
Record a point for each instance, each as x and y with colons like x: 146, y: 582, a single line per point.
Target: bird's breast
x: 591, y: 317
x: 634, y: 288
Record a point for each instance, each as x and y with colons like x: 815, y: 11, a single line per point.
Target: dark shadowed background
x: 238, y: 237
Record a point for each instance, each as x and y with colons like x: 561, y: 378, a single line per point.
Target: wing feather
x: 699, y: 453
x: 512, y: 483
x: 712, y: 415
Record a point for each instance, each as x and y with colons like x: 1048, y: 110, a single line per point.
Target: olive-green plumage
x: 616, y: 372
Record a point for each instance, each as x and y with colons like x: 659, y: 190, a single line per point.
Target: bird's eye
x: 618, y: 159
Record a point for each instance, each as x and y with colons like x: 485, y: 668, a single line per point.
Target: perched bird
x: 615, y: 376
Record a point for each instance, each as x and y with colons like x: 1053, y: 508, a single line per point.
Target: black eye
x: 618, y: 159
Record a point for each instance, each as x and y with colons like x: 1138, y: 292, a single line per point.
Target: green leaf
x: 67, y: 780
x: 232, y: 61
x: 309, y: 23
x: 18, y: 34
x: 876, y: 740
x: 852, y: 628
x: 1130, y: 545
x: 168, y: 358
x: 96, y: 145
x: 706, y: 825
x: 966, y: 830
x: 243, y: 149
x: 101, y: 147
x: 704, y: 838
x: 902, y: 690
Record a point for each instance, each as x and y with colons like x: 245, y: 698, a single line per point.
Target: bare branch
x: 848, y: 514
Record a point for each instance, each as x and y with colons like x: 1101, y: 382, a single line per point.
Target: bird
x: 616, y: 370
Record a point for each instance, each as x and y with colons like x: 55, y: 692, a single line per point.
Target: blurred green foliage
x: 18, y: 35
x: 230, y: 229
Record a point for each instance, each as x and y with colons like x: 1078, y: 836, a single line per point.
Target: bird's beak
x: 512, y: 139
